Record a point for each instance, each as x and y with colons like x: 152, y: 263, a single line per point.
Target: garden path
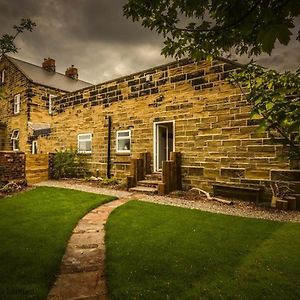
x: 82, y: 267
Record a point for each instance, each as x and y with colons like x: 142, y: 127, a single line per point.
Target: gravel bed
x: 238, y: 208
x: 71, y: 184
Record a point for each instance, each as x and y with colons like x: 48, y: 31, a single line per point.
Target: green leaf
x: 269, y: 105
x: 268, y: 38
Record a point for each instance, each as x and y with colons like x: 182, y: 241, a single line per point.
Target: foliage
x: 275, y: 98
x: 110, y: 181
x: 35, y: 227
x: 7, y: 41
x: 200, y: 29
x: 69, y: 164
x: 162, y: 252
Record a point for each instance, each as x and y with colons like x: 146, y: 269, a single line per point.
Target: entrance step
x: 154, y: 176
x: 144, y: 189
x: 149, y: 183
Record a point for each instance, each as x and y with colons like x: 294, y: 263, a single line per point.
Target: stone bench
x: 237, y: 192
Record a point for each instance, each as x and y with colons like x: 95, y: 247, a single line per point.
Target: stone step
x: 150, y: 183
x: 154, y: 176
x: 144, y: 189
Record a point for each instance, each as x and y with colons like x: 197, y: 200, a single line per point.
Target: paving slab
x: 82, y: 268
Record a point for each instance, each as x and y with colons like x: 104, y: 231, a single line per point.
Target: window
x: 34, y: 147
x: 123, y: 141
x: 17, y: 104
x: 84, y: 143
x: 15, y: 140
x: 3, y: 76
x: 51, y: 103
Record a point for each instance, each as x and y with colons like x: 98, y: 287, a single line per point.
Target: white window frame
x: 34, y: 147
x: 17, y: 104
x: 89, y: 138
x: 15, y: 136
x: 51, y: 96
x: 118, y: 138
x: 3, y: 76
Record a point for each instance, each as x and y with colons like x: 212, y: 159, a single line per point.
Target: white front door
x: 163, y: 143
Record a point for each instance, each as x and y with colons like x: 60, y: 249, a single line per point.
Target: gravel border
x: 239, y: 208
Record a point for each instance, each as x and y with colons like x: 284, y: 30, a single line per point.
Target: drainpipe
x: 108, y: 119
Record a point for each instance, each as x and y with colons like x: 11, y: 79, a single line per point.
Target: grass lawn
x: 164, y: 252
x: 34, y: 230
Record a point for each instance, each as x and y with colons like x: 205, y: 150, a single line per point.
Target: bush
x: 110, y: 181
x: 69, y: 164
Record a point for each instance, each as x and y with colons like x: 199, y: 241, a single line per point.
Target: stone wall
x: 12, y: 165
x: 37, y: 168
x: 213, y: 130
x: 2, y: 136
x: 15, y: 83
x: 34, y: 105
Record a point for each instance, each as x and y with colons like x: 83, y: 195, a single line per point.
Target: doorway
x: 164, y: 142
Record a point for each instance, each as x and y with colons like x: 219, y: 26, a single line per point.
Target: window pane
x: 123, y: 134
x: 83, y: 137
x: 85, y: 146
x: 15, y: 134
x: 15, y: 144
x: 124, y: 144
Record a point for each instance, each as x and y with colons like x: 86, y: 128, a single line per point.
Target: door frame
x: 155, y: 142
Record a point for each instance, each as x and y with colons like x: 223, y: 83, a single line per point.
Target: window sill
x: 84, y: 153
x: 123, y: 153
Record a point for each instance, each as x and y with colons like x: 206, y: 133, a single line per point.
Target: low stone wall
x: 37, y: 166
x: 12, y: 165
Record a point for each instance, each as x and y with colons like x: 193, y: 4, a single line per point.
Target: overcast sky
x: 95, y: 37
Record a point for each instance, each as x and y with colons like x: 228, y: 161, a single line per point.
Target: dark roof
x: 51, y: 79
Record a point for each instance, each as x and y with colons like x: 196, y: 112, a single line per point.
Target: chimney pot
x: 49, y: 64
x: 72, y: 72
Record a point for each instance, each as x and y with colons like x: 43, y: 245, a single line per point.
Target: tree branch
x: 222, y: 28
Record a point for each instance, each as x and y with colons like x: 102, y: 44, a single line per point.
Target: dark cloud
x: 94, y: 36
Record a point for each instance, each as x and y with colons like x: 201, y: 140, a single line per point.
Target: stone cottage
x: 185, y: 107
x: 27, y: 100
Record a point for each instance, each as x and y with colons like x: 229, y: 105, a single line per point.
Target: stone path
x: 82, y: 268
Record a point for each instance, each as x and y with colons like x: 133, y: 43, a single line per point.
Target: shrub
x: 110, y: 181
x: 69, y: 164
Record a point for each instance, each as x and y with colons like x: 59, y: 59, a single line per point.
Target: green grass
x: 163, y: 252
x: 34, y: 230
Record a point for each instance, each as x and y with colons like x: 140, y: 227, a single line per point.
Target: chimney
x: 72, y: 72
x: 49, y: 64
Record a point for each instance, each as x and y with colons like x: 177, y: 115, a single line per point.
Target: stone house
x: 185, y: 107
x: 26, y: 103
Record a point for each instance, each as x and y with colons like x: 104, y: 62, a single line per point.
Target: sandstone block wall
x: 213, y: 130
x: 34, y: 106
x: 15, y: 83
x: 37, y: 167
x: 12, y: 165
x: 3, y: 136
